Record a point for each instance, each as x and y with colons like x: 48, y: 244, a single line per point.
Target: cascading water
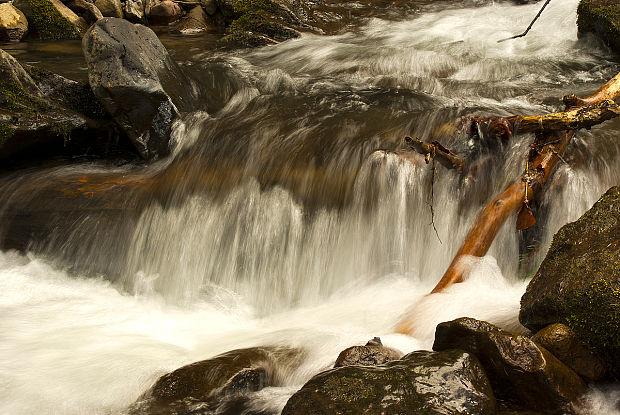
x: 288, y: 219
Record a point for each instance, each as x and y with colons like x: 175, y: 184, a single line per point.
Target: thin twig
x: 432, y: 194
x: 529, y: 27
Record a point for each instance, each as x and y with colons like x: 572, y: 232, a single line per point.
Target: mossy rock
x: 450, y: 382
x: 578, y: 283
x: 601, y: 17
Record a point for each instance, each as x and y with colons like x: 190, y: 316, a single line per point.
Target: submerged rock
x: 578, y: 283
x: 137, y: 82
x: 519, y: 369
x: 217, y: 384
x: 564, y: 344
x: 601, y: 17
x: 13, y: 23
x: 51, y: 19
x: 451, y: 382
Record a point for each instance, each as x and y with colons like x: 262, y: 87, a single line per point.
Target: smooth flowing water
x: 289, y: 219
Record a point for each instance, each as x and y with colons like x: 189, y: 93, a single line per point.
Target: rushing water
x: 291, y: 220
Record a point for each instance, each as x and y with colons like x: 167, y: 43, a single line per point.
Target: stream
x: 291, y: 219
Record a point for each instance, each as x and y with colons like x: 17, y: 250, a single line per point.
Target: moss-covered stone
x: 602, y: 17
x: 578, y: 283
x: 450, y: 382
x: 52, y: 20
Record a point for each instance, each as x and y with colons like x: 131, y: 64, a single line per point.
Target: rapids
x: 310, y: 232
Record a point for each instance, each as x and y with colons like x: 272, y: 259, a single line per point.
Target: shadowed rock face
x: 140, y: 86
x: 519, y: 370
x: 578, y: 283
x: 451, y: 382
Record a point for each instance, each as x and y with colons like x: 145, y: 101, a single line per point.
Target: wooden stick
x: 444, y: 156
x: 529, y: 27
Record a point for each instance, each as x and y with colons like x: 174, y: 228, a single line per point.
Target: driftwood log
x: 544, y: 155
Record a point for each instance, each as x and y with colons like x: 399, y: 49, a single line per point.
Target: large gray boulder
x: 519, y: 369
x: 51, y: 19
x: 578, y: 283
x: 451, y: 382
x: 13, y: 23
x: 137, y: 81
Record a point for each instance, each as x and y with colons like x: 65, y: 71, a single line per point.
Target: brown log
x: 543, y: 158
x: 444, y: 156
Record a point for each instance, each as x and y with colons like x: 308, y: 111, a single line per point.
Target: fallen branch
x: 544, y: 156
x: 444, y: 156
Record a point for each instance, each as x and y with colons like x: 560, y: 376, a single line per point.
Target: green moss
x: 14, y: 98
x: 602, y: 18
x: 241, y: 7
x: 50, y: 23
x: 594, y: 315
x: 6, y: 132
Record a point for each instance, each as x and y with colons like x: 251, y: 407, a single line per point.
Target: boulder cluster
x: 572, y: 307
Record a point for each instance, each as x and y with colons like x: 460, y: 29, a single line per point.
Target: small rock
x: 449, y: 383
x: 564, y: 344
x: 51, y: 19
x: 134, y: 11
x: 110, y: 8
x: 165, y: 13
x: 519, y: 370
x: 85, y: 9
x: 196, y: 21
x: 367, y: 356
x: 13, y: 23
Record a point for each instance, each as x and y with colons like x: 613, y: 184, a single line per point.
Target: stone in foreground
x: 217, y: 385
x: 372, y: 354
x: 578, y: 283
x: 450, y: 382
x: 137, y: 82
x: 519, y: 369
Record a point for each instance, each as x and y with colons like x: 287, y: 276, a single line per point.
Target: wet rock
x: 137, y: 82
x: 578, y: 283
x: 519, y: 369
x: 196, y: 21
x: 43, y: 114
x: 210, y: 6
x: 13, y: 23
x: 217, y: 384
x: 451, y: 382
x: 51, y: 19
x: 165, y: 13
x: 564, y: 344
x: 110, y: 8
x: 601, y: 17
x: 85, y: 9
x: 134, y: 11
x: 372, y: 354
x: 148, y: 5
